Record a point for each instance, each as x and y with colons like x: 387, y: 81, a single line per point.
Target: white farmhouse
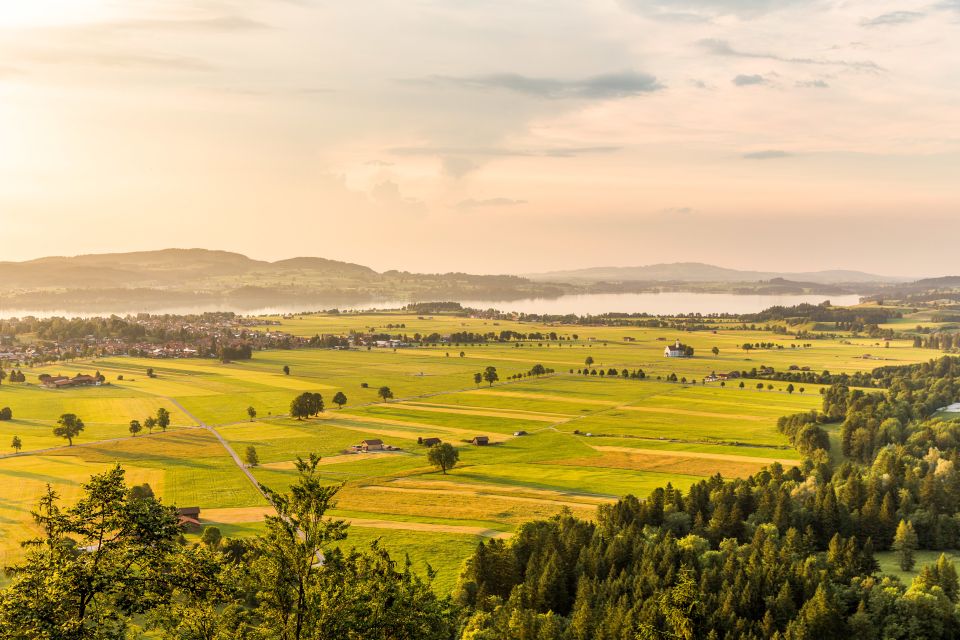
x: 675, y: 351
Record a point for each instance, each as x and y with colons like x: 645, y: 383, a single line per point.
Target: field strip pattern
x: 545, y: 396
x: 489, y: 413
x: 256, y: 514
x: 705, y: 455
x: 690, y: 412
x: 479, y: 494
x: 400, y: 433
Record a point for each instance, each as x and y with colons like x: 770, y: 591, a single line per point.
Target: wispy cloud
x: 493, y: 152
x: 767, y: 154
x: 611, y: 85
x: 471, y: 203
x: 748, y: 80
x: 116, y: 58
x: 892, y: 18
x: 691, y: 9
x: 812, y: 84
x: 223, y: 23
x: 723, y: 48
x: 457, y: 166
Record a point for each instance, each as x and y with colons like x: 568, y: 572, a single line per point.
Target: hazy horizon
x: 486, y: 137
x: 758, y: 268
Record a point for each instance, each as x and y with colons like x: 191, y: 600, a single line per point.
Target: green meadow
x: 587, y: 439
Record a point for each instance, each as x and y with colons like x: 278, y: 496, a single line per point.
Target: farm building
x: 189, y: 516
x: 678, y: 350
x: 371, y: 445
x: 519, y: 433
x: 60, y: 382
x: 480, y: 441
x: 431, y: 442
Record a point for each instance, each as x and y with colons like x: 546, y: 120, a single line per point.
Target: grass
x: 890, y: 565
x: 645, y: 432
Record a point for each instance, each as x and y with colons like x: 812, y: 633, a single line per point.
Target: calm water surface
x: 593, y: 304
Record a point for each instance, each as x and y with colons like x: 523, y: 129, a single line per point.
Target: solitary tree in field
x: 251, y: 456
x: 742, y: 385
x: 340, y: 399
x: 905, y: 543
x: 286, y: 370
x: 163, y: 418
x: 385, y: 393
x: 477, y: 378
x: 462, y: 354
x: 715, y: 351
x: 588, y: 361
x: 759, y: 386
x: 135, y: 427
x: 538, y: 370
x: 150, y: 422
x: 6, y: 413
x: 17, y: 444
x: 3, y: 374
x: 444, y: 456
x: 252, y: 413
x: 150, y: 373
x: 801, y: 390
x: 790, y: 388
x: 490, y: 375
x: 69, y: 427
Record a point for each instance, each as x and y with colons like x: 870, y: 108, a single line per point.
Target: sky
x: 486, y: 136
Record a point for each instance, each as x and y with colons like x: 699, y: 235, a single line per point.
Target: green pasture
x: 645, y: 433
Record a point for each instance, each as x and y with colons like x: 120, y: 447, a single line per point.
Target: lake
x: 666, y: 303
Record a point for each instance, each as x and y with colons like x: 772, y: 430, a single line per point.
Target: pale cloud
x: 767, y: 154
x: 745, y: 80
x: 486, y: 203
x: 156, y: 120
x: 892, y: 18
x: 598, y: 87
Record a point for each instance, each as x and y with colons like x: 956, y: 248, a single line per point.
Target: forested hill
x: 785, y: 554
x: 155, y: 279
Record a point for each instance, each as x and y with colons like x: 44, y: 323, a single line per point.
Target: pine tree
x: 905, y: 543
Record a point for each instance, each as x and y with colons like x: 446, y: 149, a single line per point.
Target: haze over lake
x: 666, y: 303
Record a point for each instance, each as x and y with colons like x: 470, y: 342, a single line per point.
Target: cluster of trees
x: 6, y: 413
x: 536, y: 371
x: 305, y: 405
x: 804, y: 432
x: 15, y: 376
x: 785, y: 554
x: 488, y: 375
x: 162, y: 420
x: 856, y: 379
x: 115, y: 563
x: 239, y: 351
x: 848, y: 318
x: 637, y: 374
x: 946, y: 341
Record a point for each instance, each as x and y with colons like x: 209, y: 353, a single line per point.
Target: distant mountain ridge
x: 701, y: 272
x: 157, y: 280
x: 162, y: 268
